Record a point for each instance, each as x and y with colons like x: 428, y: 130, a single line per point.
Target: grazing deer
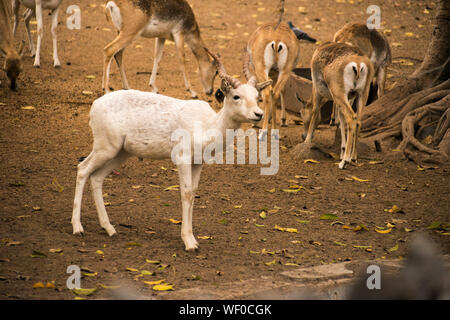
x: 161, y: 19
x: 273, y: 51
x: 341, y: 73
x: 131, y: 122
x: 13, y: 59
x: 373, y: 44
x: 34, y: 9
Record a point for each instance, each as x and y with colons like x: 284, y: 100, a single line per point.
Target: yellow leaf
x: 152, y: 283
x: 91, y: 76
x: 291, y: 190
x: 90, y: 274
x: 175, y: 187
x: 50, y: 285
x: 38, y: 285
x: 291, y: 230
x: 358, y: 179
x: 263, y: 215
x: 99, y: 252
x: 394, y: 209
x: 310, y: 161
x: 271, y: 190
x: 152, y: 261
x: 163, y: 287
x: 396, y: 44
x: 205, y: 237
x: 238, y: 206
x: 28, y: 108
x: 55, y: 250
x: 384, y: 231
x: 84, y: 292
x: 132, y: 269
x: 394, y: 248
x: 87, y: 92
x: 409, y: 34
x: 271, y: 263
x: 175, y: 221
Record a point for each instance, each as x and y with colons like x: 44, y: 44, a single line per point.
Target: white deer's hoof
x: 110, y: 230
x: 342, y: 164
x: 191, y: 244
x: 56, y: 64
x: 77, y: 228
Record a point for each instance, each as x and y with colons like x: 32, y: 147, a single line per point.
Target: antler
x: 221, y: 71
x: 251, y: 79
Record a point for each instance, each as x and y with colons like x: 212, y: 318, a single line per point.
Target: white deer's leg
x: 159, y: 49
x: 15, y: 8
x: 56, y: 62
x: 94, y: 161
x: 119, y: 60
x: 40, y: 34
x: 187, y: 202
x: 28, y: 15
x: 179, y: 42
x: 97, y: 179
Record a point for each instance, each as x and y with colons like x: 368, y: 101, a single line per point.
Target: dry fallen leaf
x: 163, y: 287
x: 175, y: 221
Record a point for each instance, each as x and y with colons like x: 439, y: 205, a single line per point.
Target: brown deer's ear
x: 262, y: 85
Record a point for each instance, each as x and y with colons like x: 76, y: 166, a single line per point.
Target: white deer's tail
x: 114, y: 12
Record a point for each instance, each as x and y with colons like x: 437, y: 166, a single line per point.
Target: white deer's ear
x: 262, y: 85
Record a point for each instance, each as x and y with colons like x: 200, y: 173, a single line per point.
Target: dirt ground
x: 40, y: 148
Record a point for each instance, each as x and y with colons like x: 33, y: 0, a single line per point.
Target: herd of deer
x: 131, y: 122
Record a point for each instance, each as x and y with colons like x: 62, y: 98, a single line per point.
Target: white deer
x: 131, y: 122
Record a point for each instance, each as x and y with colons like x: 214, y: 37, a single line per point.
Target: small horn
x: 221, y: 71
x: 251, y: 79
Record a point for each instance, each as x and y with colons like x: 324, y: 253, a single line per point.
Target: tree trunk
x: 418, y: 107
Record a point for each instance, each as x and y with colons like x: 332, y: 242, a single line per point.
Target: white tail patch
x: 114, y: 12
x: 269, y: 56
x: 355, y: 76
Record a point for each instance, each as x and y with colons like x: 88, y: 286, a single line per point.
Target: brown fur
x: 135, y: 16
x: 327, y: 68
x: 13, y: 61
x: 373, y: 44
x: 257, y: 43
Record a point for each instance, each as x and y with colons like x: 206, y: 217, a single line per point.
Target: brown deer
x: 13, y: 59
x: 161, y: 19
x: 273, y: 51
x: 340, y: 73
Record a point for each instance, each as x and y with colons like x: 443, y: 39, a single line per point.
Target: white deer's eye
x: 236, y: 98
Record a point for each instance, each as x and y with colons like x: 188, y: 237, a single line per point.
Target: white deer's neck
x: 224, y: 120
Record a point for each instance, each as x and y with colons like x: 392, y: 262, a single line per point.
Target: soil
x: 41, y: 147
